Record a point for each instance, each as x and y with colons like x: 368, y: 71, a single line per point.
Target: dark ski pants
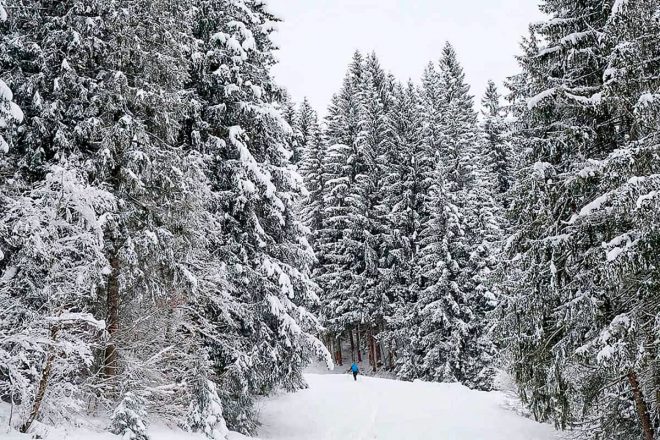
x: 355, y: 375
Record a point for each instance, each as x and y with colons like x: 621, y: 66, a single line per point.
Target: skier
x: 355, y: 369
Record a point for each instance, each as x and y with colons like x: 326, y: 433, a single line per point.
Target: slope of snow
x: 337, y: 408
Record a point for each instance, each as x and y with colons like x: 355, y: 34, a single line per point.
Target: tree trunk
x: 359, y: 346
x: 340, y: 361
x: 43, y: 384
x: 112, y: 321
x: 640, y: 404
x: 350, y: 334
x: 331, y: 347
x: 382, y: 348
x: 379, y: 352
x: 370, y: 353
x: 372, y: 350
x: 657, y: 400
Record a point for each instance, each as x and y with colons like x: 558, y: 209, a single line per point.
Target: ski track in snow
x: 337, y: 408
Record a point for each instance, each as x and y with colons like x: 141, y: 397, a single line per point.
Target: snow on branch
x: 73, y: 318
x: 618, y: 6
x: 534, y: 101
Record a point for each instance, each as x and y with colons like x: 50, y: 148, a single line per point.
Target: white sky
x: 318, y: 38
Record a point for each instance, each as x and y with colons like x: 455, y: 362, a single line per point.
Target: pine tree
x: 129, y: 418
x: 205, y: 413
x: 448, y: 340
x: 498, y: 156
x: 341, y: 239
x: 370, y: 228
x: 311, y: 169
x: 573, y: 310
x: 407, y: 171
x: 102, y: 116
x: 9, y: 112
x: 253, y: 319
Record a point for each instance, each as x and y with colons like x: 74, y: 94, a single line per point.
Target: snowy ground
x: 337, y: 408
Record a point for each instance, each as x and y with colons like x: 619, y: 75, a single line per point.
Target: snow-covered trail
x: 337, y: 408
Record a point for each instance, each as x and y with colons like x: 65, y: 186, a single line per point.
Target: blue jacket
x: 355, y: 368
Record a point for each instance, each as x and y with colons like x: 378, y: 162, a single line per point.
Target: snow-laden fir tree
x: 448, y: 339
x: 351, y: 241
x: 253, y: 319
x: 10, y: 113
x: 555, y: 136
x: 129, y: 420
x: 583, y: 310
x: 369, y: 230
x: 100, y: 135
x: 311, y: 169
x: 334, y: 271
x: 621, y: 212
x: 205, y: 413
x: 437, y: 322
x: 498, y: 155
x: 52, y: 244
x: 405, y: 185
x: 290, y: 115
x: 341, y: 269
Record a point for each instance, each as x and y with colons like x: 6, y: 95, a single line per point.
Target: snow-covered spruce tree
x: 491, y: 161
x: 432, y: 105
x: 465, y: 166
x: 10, y: 113
x: 52, y: 244
x: 129, y: 419
x: 370, y: 229
x: 205, y: 413
x: 411, y: 352
x: 152, y: 241
x: 584, y: 240
x: 311, y: 169
x: 555, y: 135
x: 254, y: 322
x: 440, y: 316
x: 405, y: 188
x: 334, y: 273
x: 498, y: 155
x: 343, y: 124
x: 340, y: 270
x: 51, y: 241
x: 351, y: 241
x: 290, y: 115
x: 106, y: 110
x: 621, y: 213
x: 448, y: 341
